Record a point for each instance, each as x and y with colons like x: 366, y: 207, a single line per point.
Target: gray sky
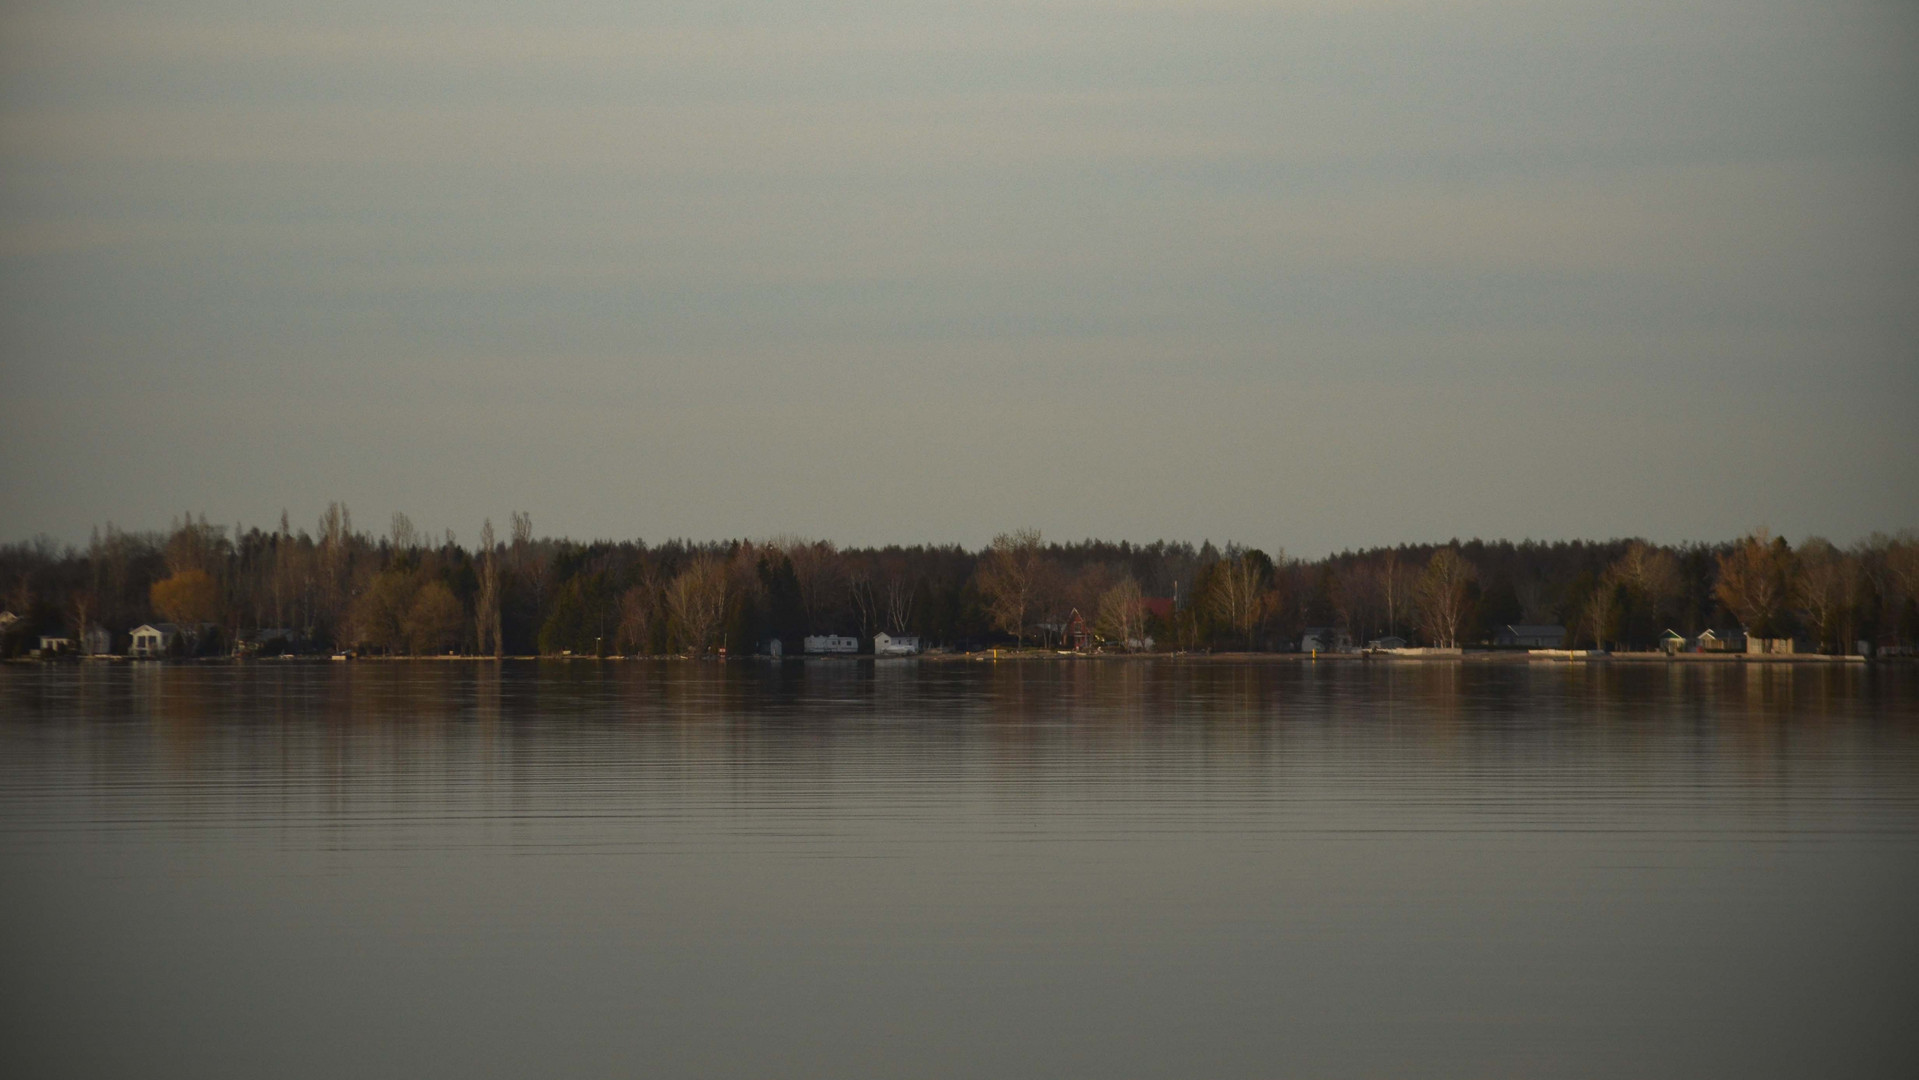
x: 1298, y: 274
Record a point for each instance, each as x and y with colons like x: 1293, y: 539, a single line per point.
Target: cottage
x: 895, y: 644
x: 1530, y: 636
x: 1672, y: 641
x: 1721, y: 641
x: 154, y: 640
x: 831, y: 643
x: 54, y: 645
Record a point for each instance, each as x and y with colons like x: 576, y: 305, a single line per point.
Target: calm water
x: 925, y: 870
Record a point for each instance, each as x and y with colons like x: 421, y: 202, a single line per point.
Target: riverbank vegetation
x: 402, y: 592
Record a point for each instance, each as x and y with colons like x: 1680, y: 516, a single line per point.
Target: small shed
x: 885, y: 644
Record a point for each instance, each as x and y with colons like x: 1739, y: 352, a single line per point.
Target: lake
x: 959, y: 869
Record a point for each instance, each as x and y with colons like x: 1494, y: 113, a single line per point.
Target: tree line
x: 513, y: 593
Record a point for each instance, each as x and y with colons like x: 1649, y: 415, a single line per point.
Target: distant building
x: 53, y: 645
x: 1325, y: 639
x: 1530, y: 636
x: 1390, y: 641
x: 831, y: 643
x: 1770, y: 646
x: 154, y: 640
x: 1721, y: 641
x: 895, y: 644
x: 1672, y: 641
x: 1074, y: 635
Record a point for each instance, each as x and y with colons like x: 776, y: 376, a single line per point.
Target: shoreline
x: 1488, y: 656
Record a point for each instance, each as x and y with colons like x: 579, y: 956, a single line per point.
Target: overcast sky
x: 1299, y: 274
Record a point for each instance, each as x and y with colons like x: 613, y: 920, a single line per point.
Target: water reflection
x: 904, y: 867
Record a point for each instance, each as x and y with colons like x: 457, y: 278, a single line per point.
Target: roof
x: 1534, y: 629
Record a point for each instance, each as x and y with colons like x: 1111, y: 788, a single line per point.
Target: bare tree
x: 402, y: 533
x: 1009, y: 576
x: 1901, y: 561
x: 486, y: 608
x: 865, y: 598
x: 1395, y: 589
x: 1755, y: 581
x: 1441, y: 595
x: 696, y: 600
x: 1122, y: 614
x: 1601, y: 609
x: 1237, y: 592
x: 639, y: 613
x: 898, y: 601
x: 1827, y: 589
x: 332, y: 587
x: 85, y: 610
x: 1650, y: 573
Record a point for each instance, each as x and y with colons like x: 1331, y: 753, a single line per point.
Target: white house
x: 831, y: 643
x: 154, y: 640
x: 895, y: 644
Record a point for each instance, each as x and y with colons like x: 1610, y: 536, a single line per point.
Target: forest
x: 334, y: 588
